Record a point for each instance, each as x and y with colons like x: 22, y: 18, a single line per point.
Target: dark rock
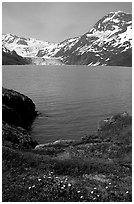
x: 16, y: 137
x: 18, y: 113
x: 17, y: 109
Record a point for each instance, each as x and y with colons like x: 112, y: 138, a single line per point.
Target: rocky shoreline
x: 18, y: 113
x: 94, y: 168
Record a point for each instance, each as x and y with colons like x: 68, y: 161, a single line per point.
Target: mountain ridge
x: 108, y: 42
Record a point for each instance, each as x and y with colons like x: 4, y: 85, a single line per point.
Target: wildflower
x: 110, y: 183
x: 106, y: 187
x: 98, y: 195
x: 69, y: 184
x: 78, y: 191
x: 94, y: 198
x: 49, y: 177
x: 39, y: 179
x: 92, y: 192
x: 127, y: 192
x: 95, y: 188
x: 81, y: 197
x: 62, y: 187
x: 33, y: 186
x: 29, y: 187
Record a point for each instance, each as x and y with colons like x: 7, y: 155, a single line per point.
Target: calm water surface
x: 71, y: 99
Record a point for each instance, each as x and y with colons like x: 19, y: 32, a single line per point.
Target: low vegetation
x: 95, y: 169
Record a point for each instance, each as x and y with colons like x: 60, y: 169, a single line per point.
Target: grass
x: 89, y: 171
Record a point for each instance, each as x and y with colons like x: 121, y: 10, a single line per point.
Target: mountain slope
x: 26, y: 47
x: 11, y: 57
x: 109, y: 43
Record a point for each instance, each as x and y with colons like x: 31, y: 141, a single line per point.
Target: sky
x: 55, y: 21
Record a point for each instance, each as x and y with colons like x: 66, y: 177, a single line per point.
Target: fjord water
x: 71, y: 99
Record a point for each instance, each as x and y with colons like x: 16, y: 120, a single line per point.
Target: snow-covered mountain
x: 26, y: 47
x: 31, y: 49
x: 109, y: 42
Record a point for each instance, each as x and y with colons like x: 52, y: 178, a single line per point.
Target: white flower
x: 29, y: 187
x: 62, y: 187
x: 106, y: 187
x: 95, y: 188
x: 92, y: 192
x: 110, y: 183
x: 81, y: 197
x: 33, y: 186
x: 39, y: 179
x: 69, y: 184
x: 127, y: 191
x: 78, y: 191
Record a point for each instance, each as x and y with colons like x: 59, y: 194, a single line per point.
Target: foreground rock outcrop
x: 17, y: 109
x: 18, y: 113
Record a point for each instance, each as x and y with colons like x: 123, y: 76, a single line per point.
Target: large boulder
x: 18, y: 113
x: 17, y: 109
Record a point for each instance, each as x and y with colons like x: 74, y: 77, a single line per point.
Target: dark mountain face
x: 109, y: 42
x: 12, y: 58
